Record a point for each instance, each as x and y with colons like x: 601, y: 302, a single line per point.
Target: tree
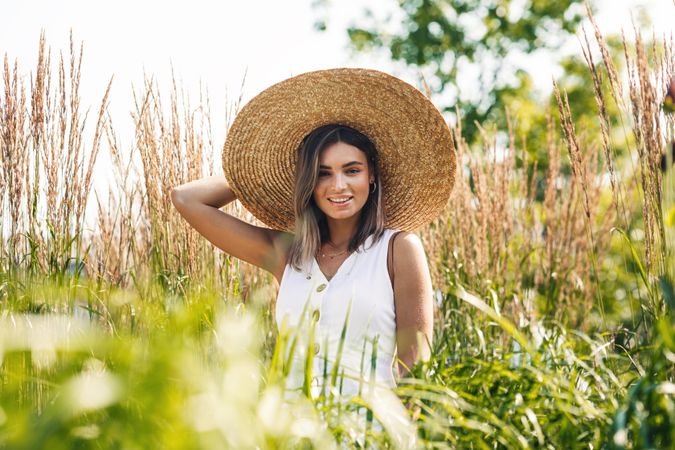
x: 450, y: 36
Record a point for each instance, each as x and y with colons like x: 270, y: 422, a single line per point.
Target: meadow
x: 554, y: 281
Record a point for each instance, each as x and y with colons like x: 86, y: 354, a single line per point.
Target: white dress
x: 361, y: 288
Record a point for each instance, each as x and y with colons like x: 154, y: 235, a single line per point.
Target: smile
x: 340, y: 200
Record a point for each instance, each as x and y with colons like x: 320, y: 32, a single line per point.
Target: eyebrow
x: 349, y: 164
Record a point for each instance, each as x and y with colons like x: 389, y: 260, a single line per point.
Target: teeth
x: 342, y: 200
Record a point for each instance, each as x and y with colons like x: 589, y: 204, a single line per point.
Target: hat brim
x: 414, y: 144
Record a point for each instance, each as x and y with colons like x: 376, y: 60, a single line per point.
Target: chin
x: 330, y: 212
x: 341, y: 215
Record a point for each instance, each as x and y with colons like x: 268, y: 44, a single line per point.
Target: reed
x: 649, y: 70
x: 496, y: 235
x: 47, y: 167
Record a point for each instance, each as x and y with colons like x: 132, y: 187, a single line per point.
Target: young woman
x: 304, y: 157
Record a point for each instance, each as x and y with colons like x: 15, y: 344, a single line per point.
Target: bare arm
x: 199, y: 203
x: 413, y: 298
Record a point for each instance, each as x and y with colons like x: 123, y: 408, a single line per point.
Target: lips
x: 340, y: 201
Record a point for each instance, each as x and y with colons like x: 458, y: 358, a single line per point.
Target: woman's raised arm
x: 199, y: 203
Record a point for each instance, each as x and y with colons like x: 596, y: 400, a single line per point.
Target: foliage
x: 458, y: 37
x: 190, y: 372
x: 646, y: 417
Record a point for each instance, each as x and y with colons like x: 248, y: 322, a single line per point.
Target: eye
x: 353, y: 171
x: 323, y: 174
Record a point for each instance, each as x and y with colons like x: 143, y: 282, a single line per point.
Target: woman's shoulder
x: 407, y: 244
x: 401, y: 241
x: 409, y: 260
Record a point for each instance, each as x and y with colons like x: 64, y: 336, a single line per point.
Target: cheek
x: 318, y: 187
x: 318, y: 192
x: 364, y: 182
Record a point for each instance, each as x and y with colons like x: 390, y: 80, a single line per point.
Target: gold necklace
x: 323, y: 254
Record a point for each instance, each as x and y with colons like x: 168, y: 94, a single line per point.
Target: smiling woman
x: 353, y: 173
x: 349, y: 284
x: 334, y: 208
x: 341, y: 184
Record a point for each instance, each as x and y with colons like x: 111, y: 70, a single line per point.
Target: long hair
x: 311, y: 228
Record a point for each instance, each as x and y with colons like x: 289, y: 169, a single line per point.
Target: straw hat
x: 415, y: 149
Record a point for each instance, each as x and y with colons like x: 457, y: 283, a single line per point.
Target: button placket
x: 320, y: 291
x: 317, y: 292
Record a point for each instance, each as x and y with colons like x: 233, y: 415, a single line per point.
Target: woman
x: 336, y: 162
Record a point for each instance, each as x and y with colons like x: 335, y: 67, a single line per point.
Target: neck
x: 341, y: 231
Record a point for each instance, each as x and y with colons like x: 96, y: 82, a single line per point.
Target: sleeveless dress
x: 359, y: 301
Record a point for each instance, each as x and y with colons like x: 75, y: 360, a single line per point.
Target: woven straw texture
x: 416, y: 153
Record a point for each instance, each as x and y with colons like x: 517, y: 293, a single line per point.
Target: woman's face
x: 342, y: 187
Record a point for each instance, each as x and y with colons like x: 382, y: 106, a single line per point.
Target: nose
x: 339, y: 182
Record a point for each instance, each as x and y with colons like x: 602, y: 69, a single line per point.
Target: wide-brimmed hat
x: 414, y: 144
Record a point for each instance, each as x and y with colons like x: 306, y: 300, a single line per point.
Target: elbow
x: 414, y: 350
x: 176, y: 196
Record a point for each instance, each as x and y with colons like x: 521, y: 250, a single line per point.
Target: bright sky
x: 216, y: 42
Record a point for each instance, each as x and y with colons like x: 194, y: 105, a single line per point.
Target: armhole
x: 390, y: 258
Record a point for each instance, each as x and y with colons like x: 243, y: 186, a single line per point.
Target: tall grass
x: 139, y: 334
x: 498, y: 239
x: 47, y: 167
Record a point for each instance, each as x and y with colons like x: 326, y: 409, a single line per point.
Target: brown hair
x: 311, y: 228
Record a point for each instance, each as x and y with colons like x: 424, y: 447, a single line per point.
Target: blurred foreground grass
x: 196, y: 372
